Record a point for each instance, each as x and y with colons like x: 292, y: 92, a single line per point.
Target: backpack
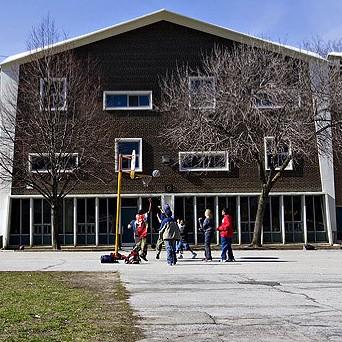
x: 133, y: 257
x: 107, y: 259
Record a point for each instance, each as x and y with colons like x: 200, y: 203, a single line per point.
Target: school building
x: 134, y: 55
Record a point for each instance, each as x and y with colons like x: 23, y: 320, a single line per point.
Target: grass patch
x: 48, y: 306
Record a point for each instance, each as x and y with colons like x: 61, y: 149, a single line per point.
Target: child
x: 141, y: 230
x: 183, y: 244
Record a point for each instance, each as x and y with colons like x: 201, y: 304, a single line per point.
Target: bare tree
x: 59, y: 132
x: 260, y: 105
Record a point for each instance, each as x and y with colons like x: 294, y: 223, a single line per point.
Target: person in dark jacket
x: 208, y: 227
x: 170, y: 233
x: 226, y: 230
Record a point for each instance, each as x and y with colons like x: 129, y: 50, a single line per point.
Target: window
x: 202, y: 92
x: 125, y: 146
x: 53, y: 93
x: 264, y: 101
x: 282, y: 152
x: 127, y: 100
x: 203, y: 161
x: 42, y: 163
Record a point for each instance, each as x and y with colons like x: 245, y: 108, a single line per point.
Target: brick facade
x: 136, y: 60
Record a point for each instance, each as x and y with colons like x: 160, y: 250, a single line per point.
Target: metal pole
x: 118, y: 205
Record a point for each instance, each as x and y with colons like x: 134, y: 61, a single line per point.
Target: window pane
x: 275, y: 214
x: 244, y: 209
x: 133, y: 101
x: 37, y: 211
x: 39, y: 163
x: 15, y: 216
x: 118, y: 100
x: 144, y: 100
x: 297, y: 208
x: 69, y: 215
x: 25, y: 216
x: 80, y: 210
x: 46, y: 212
x: 319, y: 213
x: 310, y: 222
x: 90, y: 210
x: 103, y: 216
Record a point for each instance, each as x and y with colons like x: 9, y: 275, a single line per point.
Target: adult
x: 208, y: 228
x: 170, y: 233
x: 226, y: 230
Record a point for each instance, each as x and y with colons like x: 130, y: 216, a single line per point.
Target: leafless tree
x: 56, y: 135
x: 259, y: 104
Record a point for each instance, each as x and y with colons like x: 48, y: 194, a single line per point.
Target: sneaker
x: 170, y: 264
x: 194, y: 255
x: 180, y: 256
x: 223, y: 260
x: 157, y: 256
x: 230, y: 260
x: 143, y: 257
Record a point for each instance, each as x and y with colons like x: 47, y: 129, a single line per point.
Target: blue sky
x: 287, y: 21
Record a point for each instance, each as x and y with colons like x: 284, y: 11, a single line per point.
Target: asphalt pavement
x: 264, y: 296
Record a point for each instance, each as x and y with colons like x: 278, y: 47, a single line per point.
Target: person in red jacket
x: 226, y: 230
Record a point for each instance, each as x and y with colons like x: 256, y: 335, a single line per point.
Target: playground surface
x: 266, y: 295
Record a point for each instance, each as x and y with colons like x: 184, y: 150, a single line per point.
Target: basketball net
x: 146, y: 180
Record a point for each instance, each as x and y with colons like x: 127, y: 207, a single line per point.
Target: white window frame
x: 119, y: 140
x: 63, y: 79
x: 273, y: 106
x: 185, y: 169
x: 289, y: 167
x: 128, y: 93
x: 191, y: 78
x: 46, y: 154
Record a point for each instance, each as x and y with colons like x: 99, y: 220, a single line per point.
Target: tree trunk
x: 256, y: 242
x: 55, y: 209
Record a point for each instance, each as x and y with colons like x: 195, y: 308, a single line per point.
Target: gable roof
x: 172, y: 17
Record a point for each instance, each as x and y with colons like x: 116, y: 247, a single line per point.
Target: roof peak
x: 153, y: 17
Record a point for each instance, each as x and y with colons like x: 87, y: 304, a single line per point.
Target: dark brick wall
x: 136, y: 61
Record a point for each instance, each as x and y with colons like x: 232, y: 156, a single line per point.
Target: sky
x: 287, y: 21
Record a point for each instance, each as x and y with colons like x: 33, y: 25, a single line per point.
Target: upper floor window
x: 277, y: 155
x: 53, y: 93
x: 202, y: 92
x: 264, y: 101
x: 42, y: 162
x: 127, y: 100
x: 203, y: 161
x: 125, y: 147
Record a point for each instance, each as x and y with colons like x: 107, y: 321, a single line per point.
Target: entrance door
x: 127, y: 215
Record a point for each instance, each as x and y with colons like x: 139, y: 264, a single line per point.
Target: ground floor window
x: 184, y: 209
x: 86, y: 221
x: 272, y: 219
x: 316, y: 228
x: 92, y: 220
x: 294, y: 230
x: 41, y: 222
x: 248, y: 209
x: 20, y: 222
